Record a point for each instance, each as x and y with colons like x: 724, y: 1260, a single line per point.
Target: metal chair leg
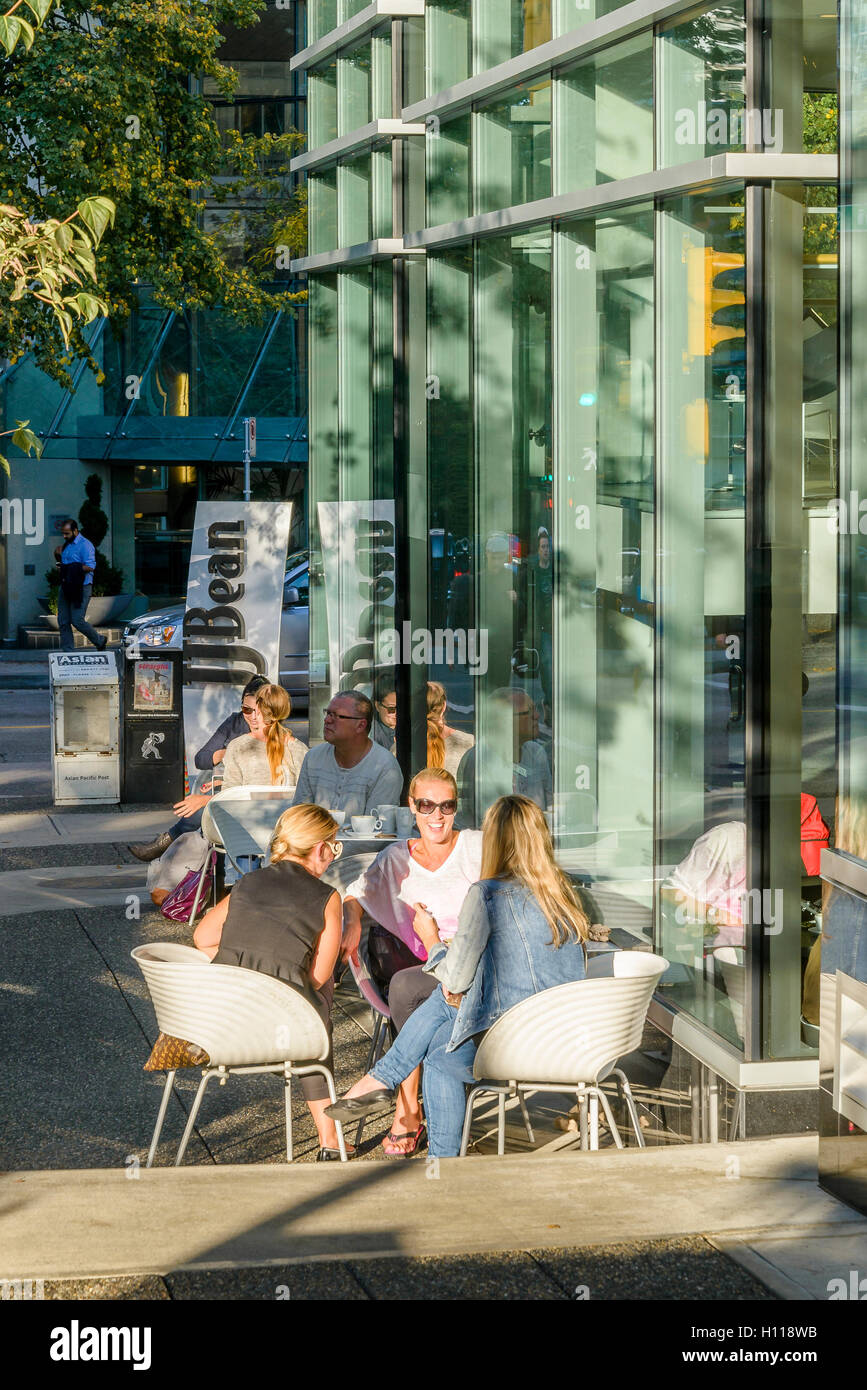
x: 609, y: 1116
x: 594, y: 1120
x: 161, y: 1115
x: 468, y: 1118
x: 501, y: 1124
x: 582, y: 1118
x: 192, y: 917
x: 525, y: 1113
x: 185, y: 1139
x: 631, y: 1107
x: 287, y: 1097
x: 332, y: 1096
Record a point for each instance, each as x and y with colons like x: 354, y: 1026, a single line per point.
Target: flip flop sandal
x: 417, y: 1139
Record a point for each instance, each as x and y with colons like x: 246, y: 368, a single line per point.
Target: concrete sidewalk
x: 33, y: 829
x: 758, y: 1203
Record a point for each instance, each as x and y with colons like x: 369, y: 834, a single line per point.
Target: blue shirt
x: 79, y: 552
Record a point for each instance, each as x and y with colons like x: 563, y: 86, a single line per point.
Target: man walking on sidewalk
x: 77, y: 560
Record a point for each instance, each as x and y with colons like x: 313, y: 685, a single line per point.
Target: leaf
x: 4, y: 464
x: 10, y: 32
x: 97, y: 214
x: 63, y: 237
x: 41, y: 8
x: 25, y: 440
x: 87, y: 305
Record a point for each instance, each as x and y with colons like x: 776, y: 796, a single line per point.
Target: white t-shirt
x: 389, y: 888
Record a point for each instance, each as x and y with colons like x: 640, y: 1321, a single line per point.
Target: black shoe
x: 329, y: 1155
x: 152, y: 851
x: 356, y: 1107
x: 102, y: 646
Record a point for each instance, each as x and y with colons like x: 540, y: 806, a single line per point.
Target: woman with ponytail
x: 445, y: 745
x: 268, y: 754
x: 284, y: 922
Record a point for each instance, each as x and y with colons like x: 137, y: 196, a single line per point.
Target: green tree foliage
x: 102, y: 101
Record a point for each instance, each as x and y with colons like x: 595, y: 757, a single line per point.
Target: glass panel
x: 513, y: 148
x: 413, y: 60
x: 449, y: 43
x: 382, y: 105
x: 414, y: 185
x: 348, y: 8
x: 356, y: 414
x: 601, y: 620
x: 571, y: 14
x: 323, y: 104
x: 447, y: 146
x: 353, y: 201
x: 322, y: 19
x: 702, y: 830
x: 353, y: 89
x: 605, y: 116
x: 701, y: 85
x: 453, y: 553
x: 381, y: 196
x: 324, y: 439
x: 505, y: 28
x: 512, y: 384
x: 322, y: 210
x: 803, y: 52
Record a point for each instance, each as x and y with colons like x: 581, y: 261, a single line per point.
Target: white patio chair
x: 246, y: 1022
x: 568, y: 1039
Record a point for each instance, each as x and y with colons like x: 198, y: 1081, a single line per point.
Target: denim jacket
x: 500, y: 954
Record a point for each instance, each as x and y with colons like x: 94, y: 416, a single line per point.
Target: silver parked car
x: 164, y: 629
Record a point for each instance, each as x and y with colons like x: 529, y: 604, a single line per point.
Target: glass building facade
x: 577, y: 454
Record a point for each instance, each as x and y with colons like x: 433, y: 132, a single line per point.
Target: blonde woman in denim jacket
x: 521, y: 931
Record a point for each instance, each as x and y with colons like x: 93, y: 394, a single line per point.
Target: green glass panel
x: 700, y: 612
x: 604, y: 126
x: 701, y: 84
x: 353, y: 201
x: 353, y: 89
x: 322, y: 210
x: 505, y: 28
x: 447, y: 147
x: 448, y: 40
x: 512, y: 148
x: 323, y: 104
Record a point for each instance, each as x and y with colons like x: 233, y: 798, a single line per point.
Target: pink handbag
x: 178, y: 906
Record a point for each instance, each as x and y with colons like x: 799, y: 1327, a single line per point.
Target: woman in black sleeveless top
x: 282, y: 921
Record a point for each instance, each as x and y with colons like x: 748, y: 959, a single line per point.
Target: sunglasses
x: 387, y: 709
x: 332, y: 714
x: 427, y: 808
x: 249, y: 710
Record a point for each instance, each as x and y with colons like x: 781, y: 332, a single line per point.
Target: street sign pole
x: 249, y: 451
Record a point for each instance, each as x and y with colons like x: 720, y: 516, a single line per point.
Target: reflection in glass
x: 447, y: 147
x: 505, y: 28
x: 353, y: 89
x: 604, y: 558
x: 353, y: 200
x: 322, y: 210
x: 323, y: 104
x: 704, y: 928
x: 701, y: 64
x: 605, y: 116
x: 512, y: 148
x: 448, y: 39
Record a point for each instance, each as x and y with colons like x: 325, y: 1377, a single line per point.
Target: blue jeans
x: 181, y: 827
x: 423, y: 1038
x: 69, y: 618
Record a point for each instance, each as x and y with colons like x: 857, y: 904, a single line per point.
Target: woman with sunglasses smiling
x: 522, y: 931
x: 412, y: 882
x: 284, y: 922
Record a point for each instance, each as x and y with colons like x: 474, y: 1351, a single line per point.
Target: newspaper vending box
x: 85, y: 727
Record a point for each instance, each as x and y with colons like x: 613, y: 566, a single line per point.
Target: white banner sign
x: 234, y: 609
x: 358, y: 558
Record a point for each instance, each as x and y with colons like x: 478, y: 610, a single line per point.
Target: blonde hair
x: 274, y: 705
x: 516, y: 843
x: 299, y: 830
x: 434, y: 774
x: 436, y: 744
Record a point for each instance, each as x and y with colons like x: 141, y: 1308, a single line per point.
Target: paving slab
x: 21, y: 830
x: 800, y: 1264
x: 71, y: 887
x: 83, y: 1223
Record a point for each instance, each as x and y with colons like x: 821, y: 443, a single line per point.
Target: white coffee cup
x: 405, y: 821
x: 339, y: 816
x: 386, y: 815
x: 364, y: 825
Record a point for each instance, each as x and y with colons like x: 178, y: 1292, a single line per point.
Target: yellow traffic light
x: 705, y: 298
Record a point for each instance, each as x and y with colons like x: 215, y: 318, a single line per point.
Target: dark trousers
x: 409, y: 989
x: 69, y: 617
x: 182, y: 827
